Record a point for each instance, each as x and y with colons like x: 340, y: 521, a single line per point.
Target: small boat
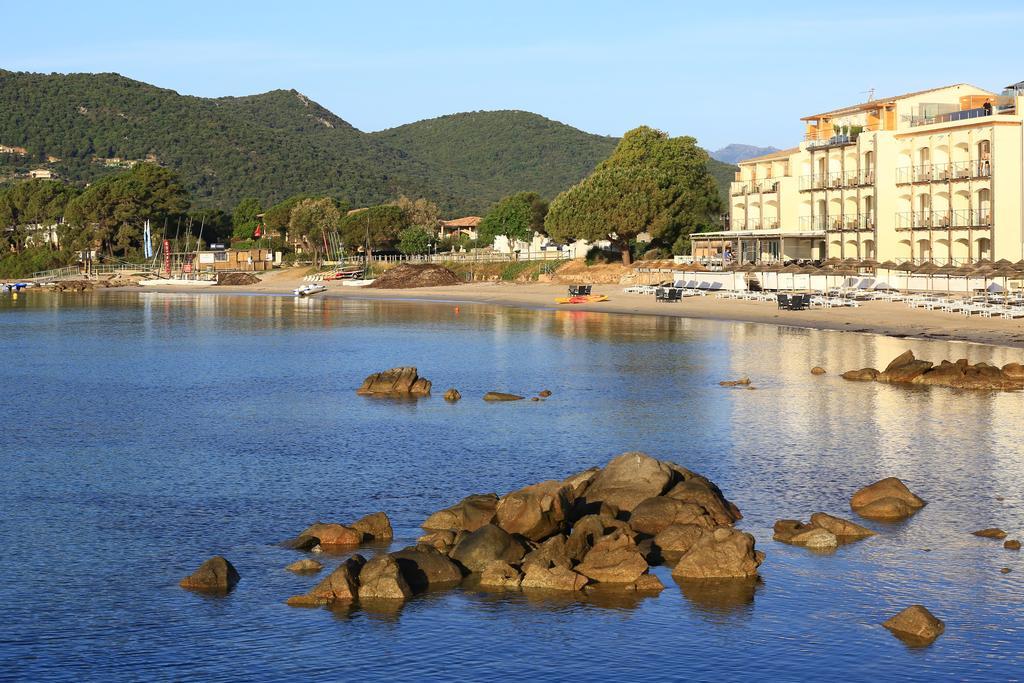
x: 585, y: 299
x: 310, y: 289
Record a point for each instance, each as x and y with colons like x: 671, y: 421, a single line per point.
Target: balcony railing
x: 837, y: 180
x: 942, y: 173
x: 951, y: 116
x: 944, y: 220
x: 833, y: 137
x: 762, y: 185
x: 754, y: 224
x: 840, y: 223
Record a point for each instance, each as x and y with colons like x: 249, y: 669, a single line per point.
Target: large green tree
x: 517, y: 217
x: 311, y: 220
x: 110, y: 213
x: 414, y: 240
x: 244, y: 218
x: 651, y: 183
x: 422, y: 213
x: 31, y: 202
x: 380, y: 225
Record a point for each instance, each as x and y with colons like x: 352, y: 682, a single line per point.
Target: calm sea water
x: 142, y: 433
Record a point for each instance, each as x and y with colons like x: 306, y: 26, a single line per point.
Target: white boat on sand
x: 310, y: 289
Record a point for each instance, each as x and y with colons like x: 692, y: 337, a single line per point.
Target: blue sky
x: 723, y: 72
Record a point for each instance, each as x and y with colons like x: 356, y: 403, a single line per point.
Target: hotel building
x: 936, y: 175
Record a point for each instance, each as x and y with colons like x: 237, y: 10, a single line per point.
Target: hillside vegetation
x: 278, y: 144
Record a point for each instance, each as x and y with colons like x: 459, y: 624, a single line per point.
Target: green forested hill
x: 280, y: 143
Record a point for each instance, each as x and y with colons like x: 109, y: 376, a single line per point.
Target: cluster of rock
x: 823, y: 532
x: 405, y: 382
x: 396, y: 382
x: 998, y: 534
x: 906, y: 369
x: 331, y: 536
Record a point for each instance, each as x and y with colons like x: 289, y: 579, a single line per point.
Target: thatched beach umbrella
x: 888, y: 267
x: 949, y: 270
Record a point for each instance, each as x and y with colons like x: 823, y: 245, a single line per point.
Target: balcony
x: 755, y: 224
x: 962, y: 115
x: 757, y: 186
x: 837, y: 180
x: 838, y: 136
x: 842, y: 223
x: 958, y: 219
x: 944, y: 173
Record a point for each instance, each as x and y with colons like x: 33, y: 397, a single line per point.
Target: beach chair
x: 783, y: 300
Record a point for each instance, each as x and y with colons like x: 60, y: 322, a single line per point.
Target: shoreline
x: 891, y: 319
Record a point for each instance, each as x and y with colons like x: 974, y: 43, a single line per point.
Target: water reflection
x: 722, y: 601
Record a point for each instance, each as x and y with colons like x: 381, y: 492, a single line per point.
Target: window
x: 220, y: 256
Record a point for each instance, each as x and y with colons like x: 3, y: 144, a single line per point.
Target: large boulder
x: 550, y: 553
x: 842, y: 528
x: 585, y: 533
x: 614, y: 558
x: 628, y: 480
x: 486, y: 544
x: 341, y: 585
x: 443, y: 539
x: 553, y: 578
x: 331, y: 535
x: 537, y: 511
x: 701, y: 491
x: 469, y: 514
x: 376, y: 527
x: 915, y: 625
x: 381, y: 579
x: 398, y: 382
x: 1014, y: 371
x: 678, y: 538
x: 214, y: 575
x: 724, y: 553
x: 581, y: 481
x: 500, y: 574
x: 655, y: 514
x: 424, y: 567
x: 904, y: 368
x: 887, y: 499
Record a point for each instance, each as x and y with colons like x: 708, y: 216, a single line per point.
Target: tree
x: 651, y: 183
x: 311, y: 220
x: 517, y: 217
x: 414, y: 240
x: 111, y: 211
x: 380, y: 224
x: 30, y: 202
x: 244, y: 218
x: 421, y: 212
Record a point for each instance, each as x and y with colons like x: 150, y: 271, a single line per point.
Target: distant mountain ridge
x: 280, y: 143
x: 735, y: 153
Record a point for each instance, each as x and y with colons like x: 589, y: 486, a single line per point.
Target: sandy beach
x: 875, y: 317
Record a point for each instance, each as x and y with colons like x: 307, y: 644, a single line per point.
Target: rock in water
x: 328, y: 535
x: 396, y: 382
x: 916, y: 625
x: 537, y: 511
x: 216, y: 574
x: 304, y: 567
x: 628, y: 480
x: 887, y: 499
x: 488, y: 543
x: 678, y: 538
x: 469, y: 514
x: 375, y: 526
x: 653, y: 515
x: 500, y: 574
x: 741, y: 382
x: 862, y: 375
x: 722, y: 554
x: 815, y: 538
x: 817, y: 370
x: 554, y: 578
x: 842, y: 528
x: 990, y: 533
x: 551, y: 553
x: 499, y: 396
x: 443, y: 540
x: 1012, y: 544
x: 614, y: 558
x: 424, y: 567
x: 545, y: 393
x: 906, y: 369
x: 381, y: 579
x: 341, y: 585
x: 452, y: 395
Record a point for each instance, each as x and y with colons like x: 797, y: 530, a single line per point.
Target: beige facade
x: 928, y: 176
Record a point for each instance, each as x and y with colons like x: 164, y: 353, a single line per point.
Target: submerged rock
x: 887, y: 499
x: 864, y: 375
x: 499, y: 396
x: 916, y: 625
x: 396, y: 382
x: 993, y: 532
x: 216, y: 574
x: 741, y: 382
x: 305, y: 567
x: 817, y: 370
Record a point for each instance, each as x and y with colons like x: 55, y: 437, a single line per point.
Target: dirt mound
x: 235, y: 279
x: 408, y: 275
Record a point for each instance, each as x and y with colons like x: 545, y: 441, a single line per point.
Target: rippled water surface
x: 142, y: 433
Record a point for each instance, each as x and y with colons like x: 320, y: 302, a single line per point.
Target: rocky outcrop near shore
x: 823, y: 532
x: 907, y: 369
x: 320, y: 535
x: 396, y: 383
x: 888, y: 500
